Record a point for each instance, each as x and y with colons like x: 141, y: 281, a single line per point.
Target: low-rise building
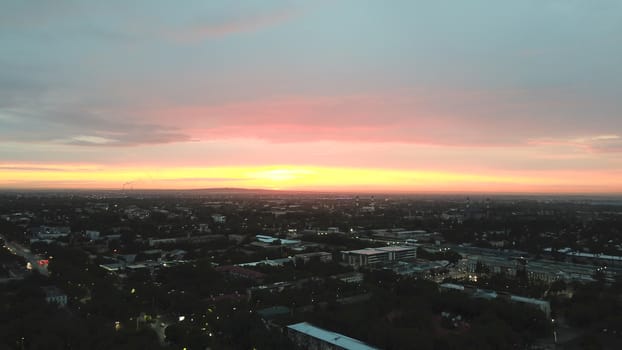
x: 92, y: 234
x: 320, y: 256
x: 53, y: 295
x: 372, y: 256
x: 241, y: 272
x: 539, y: 304
x: 219, y: 219
x: 538, y: 270
x: 350, y: 277
x: 492, y: 264
x: 307, y: 336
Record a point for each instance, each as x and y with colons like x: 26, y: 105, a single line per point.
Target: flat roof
x: 380, y: 250
x: 491, y: 294
x: 452, y: 286
x: 527, y: 300
x: 337, y: 339
x: 111, y: 267
x: 396, y: 248
x: 366, y: 251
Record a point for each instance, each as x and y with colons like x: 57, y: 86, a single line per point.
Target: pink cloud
x: 365, y: 118
x: 249, y: 23
x: 504, y: 118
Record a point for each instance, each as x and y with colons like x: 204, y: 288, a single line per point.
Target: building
x: 49, y: 232
x: 268, y: 262
x: 492, y: 264
x: 364, y: 257
x: 434, y: 270
x: 310, y: 337
x: 400, y: 252
x: 539, y: 304
x: 219, y: 219
x: 538, y: 270
x: 349, y: 277
x: 237, y: 271
x: 320, y: 256
x: 277, y: 287
x: 92, y: 234
x: 611, y: 260
x: 274, y: 240
x: 402, y: 236
x: 372, y: 256
x: 53, y: 295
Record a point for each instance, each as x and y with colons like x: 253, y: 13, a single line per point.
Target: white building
x: 307, y: 336
x: 371, y: 256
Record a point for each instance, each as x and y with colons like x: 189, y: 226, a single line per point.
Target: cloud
x: 49, y: 167
x: 88, y: 139
x: 74, y: 125
x: 249, y: 22
x: 194, y: 21
x: 594, y: 144
x: 442, y: 117
x: 605, y: 144
x: 335, y: 75
x: 474, y: 118
x: 132, y: 138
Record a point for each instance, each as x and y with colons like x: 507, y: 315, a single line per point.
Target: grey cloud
x: 37, y: 168
x: 84, y: 129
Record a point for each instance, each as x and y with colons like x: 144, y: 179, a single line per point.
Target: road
x: 33, y: 259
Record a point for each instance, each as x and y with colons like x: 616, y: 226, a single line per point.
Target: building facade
x: 373, y: 256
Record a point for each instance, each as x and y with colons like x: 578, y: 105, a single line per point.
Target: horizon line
x: 307, y: 191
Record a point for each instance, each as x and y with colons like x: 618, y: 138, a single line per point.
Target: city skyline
x: 520, y: 97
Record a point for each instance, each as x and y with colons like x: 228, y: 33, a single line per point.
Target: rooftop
x: 337, y: 339
x: 380, y: 250
x: 396, y: 248
x: 366, y: 251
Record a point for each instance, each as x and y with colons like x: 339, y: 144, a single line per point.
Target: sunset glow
x: 415, y: 97
x: 296, y: 178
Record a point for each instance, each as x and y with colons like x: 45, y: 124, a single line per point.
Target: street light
x: 554, y: 331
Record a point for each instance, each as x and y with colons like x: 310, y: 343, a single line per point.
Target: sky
x: 353, y: 95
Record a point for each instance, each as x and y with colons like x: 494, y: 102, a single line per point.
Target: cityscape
x: 187, y: 269
x: 310, y: 175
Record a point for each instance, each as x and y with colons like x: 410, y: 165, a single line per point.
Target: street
x: 33, y: 259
